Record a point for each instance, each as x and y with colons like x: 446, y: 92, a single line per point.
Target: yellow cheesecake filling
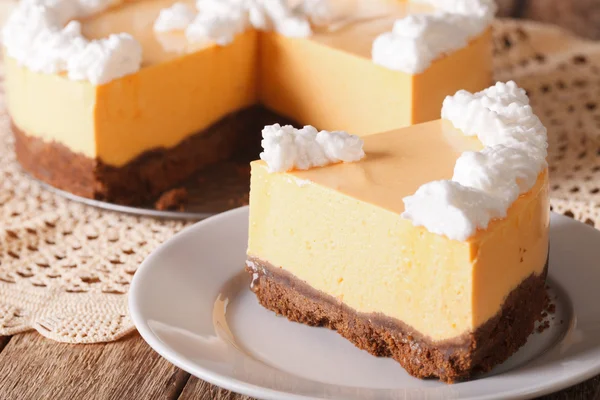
x: 327, y: 79
x: 51, y: 107
x: 353, y: 245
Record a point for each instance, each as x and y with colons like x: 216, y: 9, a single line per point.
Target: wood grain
x: 3, y: 342
x: 197, y: 389
x: 584, y: 391
x: 32, y: 367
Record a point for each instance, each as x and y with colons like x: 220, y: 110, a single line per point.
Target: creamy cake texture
x: 119, y: 100
x: 431, y: 247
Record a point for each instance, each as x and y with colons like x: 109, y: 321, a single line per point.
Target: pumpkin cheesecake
x: 428, y: 244
x: 120, y: 100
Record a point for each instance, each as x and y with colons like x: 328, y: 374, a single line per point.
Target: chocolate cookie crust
x: 450, y: 360
x: 55, y: 164
x: 150, y: 174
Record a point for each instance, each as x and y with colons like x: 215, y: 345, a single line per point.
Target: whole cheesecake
x: 428, y: 244
x: 121, y: 100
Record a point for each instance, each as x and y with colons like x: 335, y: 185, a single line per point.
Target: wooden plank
x: 33, y: 367
x: 588, y: 390
x: 3, y: 342
x: 197, y: 389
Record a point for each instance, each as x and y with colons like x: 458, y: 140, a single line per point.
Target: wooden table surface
x: 33, y: 367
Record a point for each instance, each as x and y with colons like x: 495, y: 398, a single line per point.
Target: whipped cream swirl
x: 286, y: 148
x: 485, y: 183
x: 177, y: 17
x: 418, y: 39
x: 220, y: 20
x: 44, y: 36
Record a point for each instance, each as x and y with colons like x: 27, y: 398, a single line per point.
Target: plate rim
x: 155, y: 343
x: 249, y: 389
x: 119, y: 208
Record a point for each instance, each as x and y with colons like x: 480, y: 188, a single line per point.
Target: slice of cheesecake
x: 122, y: 117
x: 431, y: 249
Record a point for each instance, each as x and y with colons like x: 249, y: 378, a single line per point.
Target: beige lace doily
x: 65, y: 268
x: 561, y: 74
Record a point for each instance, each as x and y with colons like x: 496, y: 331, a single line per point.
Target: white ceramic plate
x: 191, y: 302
